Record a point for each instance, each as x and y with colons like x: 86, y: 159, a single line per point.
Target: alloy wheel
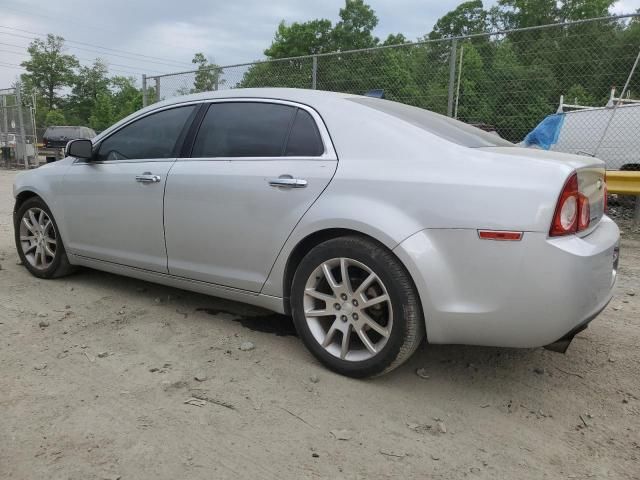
x: 38, y: 238
x: 348, y: 309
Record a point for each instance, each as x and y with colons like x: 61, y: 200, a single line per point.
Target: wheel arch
x: 23, y: 196
x: 305, y: 245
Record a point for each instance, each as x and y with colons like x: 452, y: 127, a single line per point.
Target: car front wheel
x: 355, y: 307
x: 38, y: 240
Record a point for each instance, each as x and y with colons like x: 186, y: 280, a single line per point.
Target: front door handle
x: 287, y: 181
x: 148, y: 177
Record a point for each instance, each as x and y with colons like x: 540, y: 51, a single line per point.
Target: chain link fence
x: 507, y: 82
x: 18, y: 144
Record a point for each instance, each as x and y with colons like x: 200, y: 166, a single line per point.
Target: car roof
x: 299, y: 95
x: 317, y: 99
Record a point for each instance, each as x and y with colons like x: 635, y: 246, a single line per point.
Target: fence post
x: 23, y: 138
x: 144, y: 90
x: 452, y: 76
x: 5, y: 123
x: 314, y: 73
x: 157, y: 89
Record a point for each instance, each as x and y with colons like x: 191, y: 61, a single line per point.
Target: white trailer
x: 612, y: 133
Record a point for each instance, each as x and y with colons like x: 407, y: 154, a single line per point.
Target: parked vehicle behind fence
x: 55, y: 139
x: 372, y: 223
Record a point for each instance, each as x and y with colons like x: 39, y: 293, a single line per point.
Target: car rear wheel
x: 38, y: 241
x: 355, y: 307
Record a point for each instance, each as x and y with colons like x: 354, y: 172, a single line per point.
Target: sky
x: 152, y: 36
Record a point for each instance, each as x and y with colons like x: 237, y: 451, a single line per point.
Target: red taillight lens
x: 573, y: 213
x: 565, y: 219
x: 584, y: 212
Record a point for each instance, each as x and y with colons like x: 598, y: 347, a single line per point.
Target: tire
x: 325, y: 315
x: 41, y: 265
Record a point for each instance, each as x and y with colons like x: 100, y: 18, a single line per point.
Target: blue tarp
x: 546, y: 133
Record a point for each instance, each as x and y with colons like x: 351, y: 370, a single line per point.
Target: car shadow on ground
x: 453, y: 361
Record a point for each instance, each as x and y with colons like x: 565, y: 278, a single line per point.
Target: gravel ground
x: 105, y: 377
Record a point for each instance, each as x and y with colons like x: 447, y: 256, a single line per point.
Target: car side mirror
x: 81, y: 148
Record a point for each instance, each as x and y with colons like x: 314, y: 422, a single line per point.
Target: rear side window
x: 444, y: 127
x: 304, y: 139
x: 243, y: 129
x: 152, y: 137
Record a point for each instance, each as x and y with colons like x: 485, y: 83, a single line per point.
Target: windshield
x: 447, y: 128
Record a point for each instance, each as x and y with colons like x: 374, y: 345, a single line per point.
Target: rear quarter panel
x: 394, y: 179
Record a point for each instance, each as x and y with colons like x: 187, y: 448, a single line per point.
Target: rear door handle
x: 148, y: 177
x: 286, y: 181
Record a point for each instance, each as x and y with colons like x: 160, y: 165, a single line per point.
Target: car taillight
x: 572, y: 211
x: 584, y: 212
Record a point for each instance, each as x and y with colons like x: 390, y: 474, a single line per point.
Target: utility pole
x: 144, y: 90
x: 23, y: 138
x: 452, y: 76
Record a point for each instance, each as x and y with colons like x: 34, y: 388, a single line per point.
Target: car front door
x: 255, y: 168
x: 112, y: 204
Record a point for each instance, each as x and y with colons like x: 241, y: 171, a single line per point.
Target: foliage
x: 207, y: 77
x: 95, y: 99
x: 54, y: 118
x: 48, y: 69
x: 509, y: 81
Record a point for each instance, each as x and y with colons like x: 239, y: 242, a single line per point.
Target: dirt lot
x: 105, y: 377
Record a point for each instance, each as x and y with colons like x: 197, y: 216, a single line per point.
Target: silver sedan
x: 372, y: 223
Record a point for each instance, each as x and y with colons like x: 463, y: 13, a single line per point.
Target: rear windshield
x: 66, y: 132
x: 444, y: 127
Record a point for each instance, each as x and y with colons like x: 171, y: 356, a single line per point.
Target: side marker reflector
x: 500, y: 235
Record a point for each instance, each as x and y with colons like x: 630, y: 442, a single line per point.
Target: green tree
x: 297, y: 39
x: 578, y: 95
x: 88, y: 84
x: 207, y: 76
x: 466, y: 19
x: 126, y: 97
x: 102, y: 115
x: 355, y: 28
x: 49, y: 69
x: 54, y: 118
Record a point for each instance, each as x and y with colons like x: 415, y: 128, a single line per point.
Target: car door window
x: 152, y: 137
x: 244, y: 129
x: 304, y: 139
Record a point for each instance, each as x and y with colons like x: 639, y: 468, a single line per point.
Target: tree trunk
x: 50, y: 99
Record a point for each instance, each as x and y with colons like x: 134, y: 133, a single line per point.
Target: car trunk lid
x: 590, y: 171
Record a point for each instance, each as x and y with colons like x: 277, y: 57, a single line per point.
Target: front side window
x: 244, y: 129
x: 152, y: 137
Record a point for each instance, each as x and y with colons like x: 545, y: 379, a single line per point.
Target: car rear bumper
x: 527, y: 293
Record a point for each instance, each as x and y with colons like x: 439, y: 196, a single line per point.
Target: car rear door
x: 113, y: 204
x: 255, y: 169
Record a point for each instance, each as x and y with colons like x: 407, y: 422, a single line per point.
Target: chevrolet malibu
x: 373, y: 224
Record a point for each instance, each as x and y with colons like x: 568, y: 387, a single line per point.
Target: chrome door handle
x: 286, y: 181
x: 147, y: 177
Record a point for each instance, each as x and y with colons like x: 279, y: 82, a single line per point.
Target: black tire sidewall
x: 49, y: 272
x: 378, y: 260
